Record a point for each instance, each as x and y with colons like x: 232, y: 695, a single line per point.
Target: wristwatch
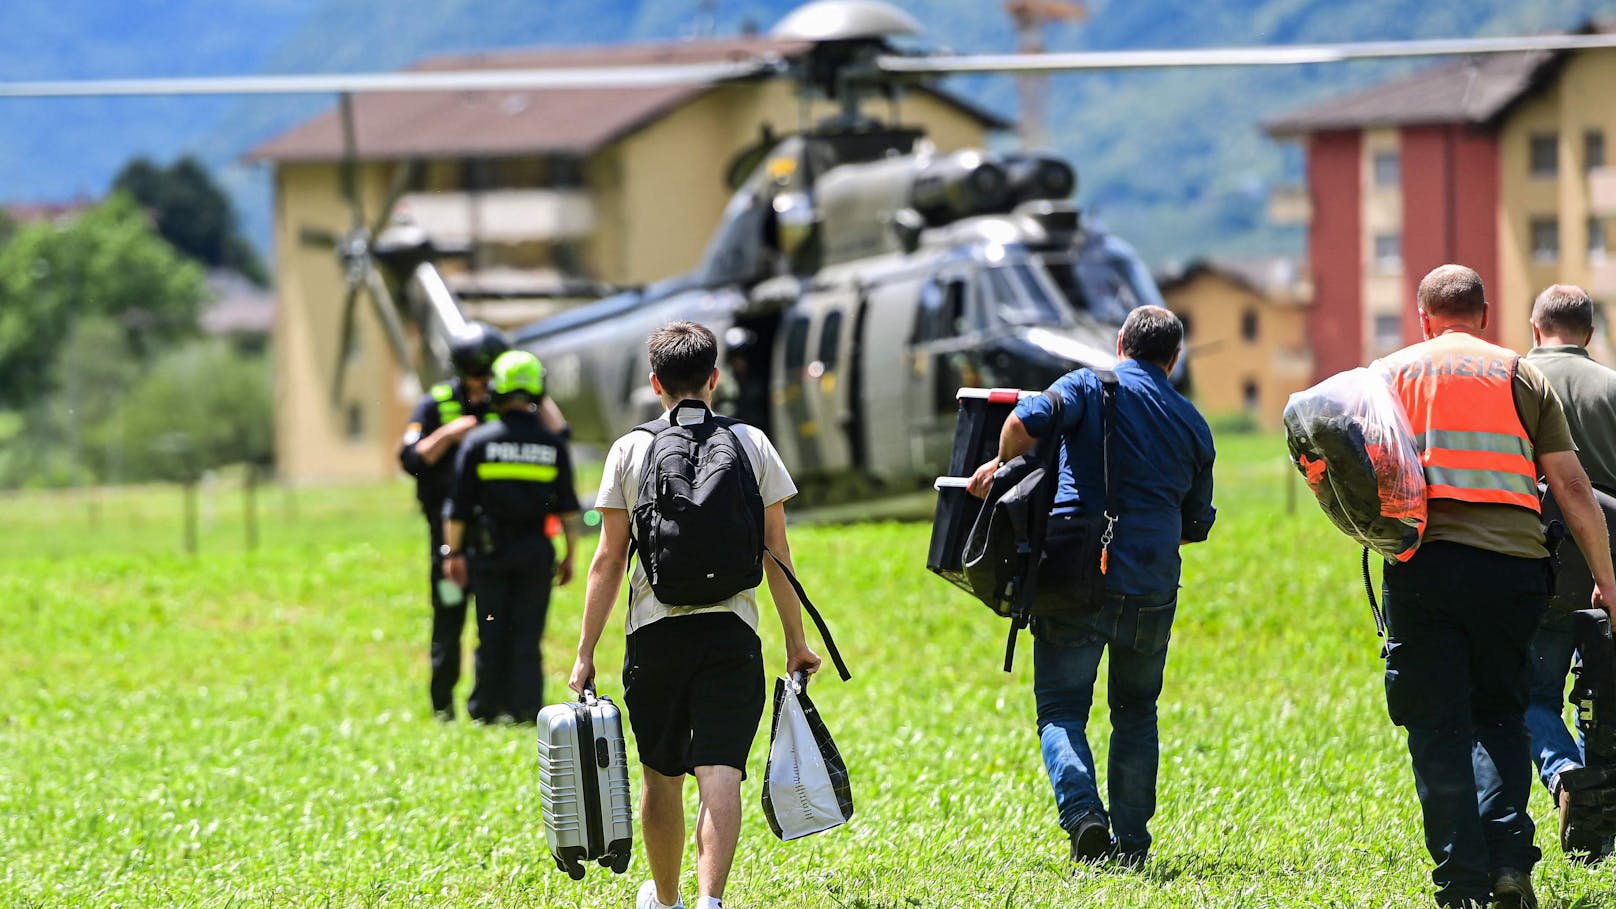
x: 448, y: 553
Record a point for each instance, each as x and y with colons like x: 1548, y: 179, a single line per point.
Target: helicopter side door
x: 946, y: 334
x: 792, y: 419
x: 824, y: 379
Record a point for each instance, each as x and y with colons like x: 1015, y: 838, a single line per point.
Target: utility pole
x: 1031, y: 16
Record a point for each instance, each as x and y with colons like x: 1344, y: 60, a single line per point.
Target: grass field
x: 245, y: 729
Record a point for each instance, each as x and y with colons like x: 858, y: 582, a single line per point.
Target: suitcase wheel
x: 604, y: 861
x: 620, y: 864
x: 576, y: 872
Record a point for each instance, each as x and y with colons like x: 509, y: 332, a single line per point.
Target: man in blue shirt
x: 1162, y: 458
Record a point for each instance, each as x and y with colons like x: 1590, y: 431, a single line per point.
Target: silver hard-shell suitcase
x: 583, y: 785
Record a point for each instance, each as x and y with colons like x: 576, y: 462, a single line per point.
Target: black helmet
x: 474, y: 349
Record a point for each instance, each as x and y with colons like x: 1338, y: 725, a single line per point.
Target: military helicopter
x: 858, y: 277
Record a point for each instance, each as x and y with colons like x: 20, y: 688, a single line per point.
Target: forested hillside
x: 1175, y: 161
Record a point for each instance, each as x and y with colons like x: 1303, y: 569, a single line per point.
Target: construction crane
x: 1031, y: 16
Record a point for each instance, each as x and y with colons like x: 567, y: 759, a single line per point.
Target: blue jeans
x: 1066, y: 660
x: 1460, y: 625
x: 1553, y: 748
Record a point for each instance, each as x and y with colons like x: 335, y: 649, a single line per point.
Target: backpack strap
x: 819, y: 621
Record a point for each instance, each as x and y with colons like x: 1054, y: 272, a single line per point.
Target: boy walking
x: 693, y: 674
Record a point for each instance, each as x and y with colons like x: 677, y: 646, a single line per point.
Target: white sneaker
x: 648, y: 900
x: 709, y: 902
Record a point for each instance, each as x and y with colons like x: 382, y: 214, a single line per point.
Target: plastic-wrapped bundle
x: 1350, y: 438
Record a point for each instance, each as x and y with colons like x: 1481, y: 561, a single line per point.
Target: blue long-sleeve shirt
x: 1162, y: 458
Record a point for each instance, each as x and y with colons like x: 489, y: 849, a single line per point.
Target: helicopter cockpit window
x: 1114, y: 280
x: 1018, y: 294
x: 944, y: 312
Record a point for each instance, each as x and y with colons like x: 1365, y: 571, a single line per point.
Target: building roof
x: 1279, y: 279
x: 399, y: 125
x: 239, y: 307
x: 1471, y: 91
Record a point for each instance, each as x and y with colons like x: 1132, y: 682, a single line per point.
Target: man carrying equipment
x: 1462, y: 610
x: 1162, y: 475
x: 509, y: 478
x: 1562, y: 326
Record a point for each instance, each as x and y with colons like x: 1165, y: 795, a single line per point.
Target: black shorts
x: 694, y: 689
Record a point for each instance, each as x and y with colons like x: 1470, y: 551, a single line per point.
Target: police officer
x: 509, y: 478
x: 442, y: 418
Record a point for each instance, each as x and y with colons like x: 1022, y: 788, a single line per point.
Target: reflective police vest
x: 1459, y: 393
x: 449, y: 407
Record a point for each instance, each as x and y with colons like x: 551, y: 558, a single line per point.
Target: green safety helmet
x: 517, y: 372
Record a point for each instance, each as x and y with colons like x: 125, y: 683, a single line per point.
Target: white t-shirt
x: 620, y: 487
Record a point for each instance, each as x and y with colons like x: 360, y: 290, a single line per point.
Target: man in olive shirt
x: 1562, y: 326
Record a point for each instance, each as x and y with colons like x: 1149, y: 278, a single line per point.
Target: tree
x: 202, y: 405
x: 107, y: 262
x: 192, y: 213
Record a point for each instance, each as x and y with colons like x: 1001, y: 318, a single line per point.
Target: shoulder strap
x: 1108, y: 419
x: 653, y: 426
x: 1027, y: 547
x: 819, y: 621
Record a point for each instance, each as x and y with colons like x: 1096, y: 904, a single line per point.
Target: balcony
x: 1602, y: 278
x: 1290, y: 206
x: 502, y: 216
x: 1602, y: 192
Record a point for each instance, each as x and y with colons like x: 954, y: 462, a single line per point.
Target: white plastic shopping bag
x: 805, y: 786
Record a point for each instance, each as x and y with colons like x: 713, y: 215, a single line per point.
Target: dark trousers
x: 513, y: 596
x: 1458, y: 667
x: 447, y: 621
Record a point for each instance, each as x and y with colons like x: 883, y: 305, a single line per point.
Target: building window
x: 1248, y: 325
x: 1388, y: 169
x: 1250, y: 395
x: 1593, y: 149
x: 1389, y: 252
x: 1545, y: 233
x: 355, y: 419
x: 1545, y: 155
x: 1596, y: 240
x: 1388, y: 332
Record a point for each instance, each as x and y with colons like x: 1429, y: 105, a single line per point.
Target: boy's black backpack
x: 698, y: 520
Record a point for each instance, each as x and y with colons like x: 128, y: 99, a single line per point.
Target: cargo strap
x: 819, y: 621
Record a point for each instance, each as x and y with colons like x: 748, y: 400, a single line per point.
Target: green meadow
x: 249, y: 728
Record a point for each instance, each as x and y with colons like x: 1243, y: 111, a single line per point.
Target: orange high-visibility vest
x: 1459, y: 393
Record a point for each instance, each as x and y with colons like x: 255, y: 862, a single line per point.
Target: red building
x: 1489, y: 163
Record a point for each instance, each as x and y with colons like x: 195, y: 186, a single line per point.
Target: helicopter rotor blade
x: 318, y: 236
x: 403, y: 176
x: 1274, y: 55
x: 350, y: 160
x: 381, y: 300
x: 412, y: 81
x: 349, y: 302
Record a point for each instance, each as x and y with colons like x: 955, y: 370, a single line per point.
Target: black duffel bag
x: 1068, y: 577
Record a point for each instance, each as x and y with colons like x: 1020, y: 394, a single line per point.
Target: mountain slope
x: 1175, y: 161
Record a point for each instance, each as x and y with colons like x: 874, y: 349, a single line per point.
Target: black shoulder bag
x: 1015, y: 522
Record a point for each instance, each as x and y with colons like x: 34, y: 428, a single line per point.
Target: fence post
x: 249, y: 506
x: 189, y: 489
